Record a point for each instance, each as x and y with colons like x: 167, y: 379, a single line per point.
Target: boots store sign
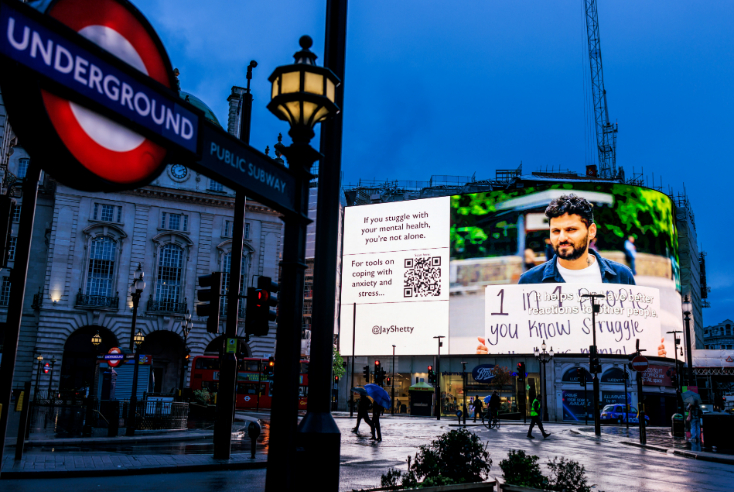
x: 92, y: 95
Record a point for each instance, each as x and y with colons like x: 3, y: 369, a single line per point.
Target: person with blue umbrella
x: 380, y: 400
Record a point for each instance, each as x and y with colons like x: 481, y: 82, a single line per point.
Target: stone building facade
x: 87, y: 245
x: 719, y: 337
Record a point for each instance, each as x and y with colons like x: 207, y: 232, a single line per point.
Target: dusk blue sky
x: 466, y: 87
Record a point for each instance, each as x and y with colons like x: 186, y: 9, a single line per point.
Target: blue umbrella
x: 360, y: 391
x: 486, y: 399
x: 378, y: 394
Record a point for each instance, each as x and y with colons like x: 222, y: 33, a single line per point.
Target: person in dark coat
x: 376, y: 411
x: 363, y: 413
x: 494, y: 405
x: 478, y: 407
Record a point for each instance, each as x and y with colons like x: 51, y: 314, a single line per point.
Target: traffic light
x: 388, y: 381
x: 46, y: 368
x: 270, y: 367
x: 379, y: 374
x: 366, y: 373
x: 209, y: 307
x: 594, y: 364
x: 336, y: 379
x: 521, y: 372
x: 259, y: 301
x: 431, y: 375
x: 582, y: 376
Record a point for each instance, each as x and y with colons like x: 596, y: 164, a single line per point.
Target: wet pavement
x: 609, y: 464
x: 656, y: 436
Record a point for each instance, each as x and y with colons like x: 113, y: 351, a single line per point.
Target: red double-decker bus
x: 251, y: 376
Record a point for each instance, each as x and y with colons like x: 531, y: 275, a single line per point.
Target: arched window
x: 226, y: 269
x: 101, y: 269
x: 169, y: 278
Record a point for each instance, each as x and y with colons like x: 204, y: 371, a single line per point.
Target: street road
x: 612, y: 466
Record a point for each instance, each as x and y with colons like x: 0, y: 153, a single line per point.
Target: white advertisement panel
x: 395, y: 269
x: 520, y: 317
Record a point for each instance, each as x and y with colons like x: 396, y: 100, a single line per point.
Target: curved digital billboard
x: 499, y: 272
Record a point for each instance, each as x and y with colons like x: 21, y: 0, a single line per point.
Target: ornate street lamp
x: 303, y: 95
x: 687, y: 306
x: 96, y: 339
x: 136, y: 291
x: 544, y: 357
x: 38, y: 374
x: 186, y: 327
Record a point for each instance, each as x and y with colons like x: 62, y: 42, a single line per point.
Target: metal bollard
x: 253, y: 431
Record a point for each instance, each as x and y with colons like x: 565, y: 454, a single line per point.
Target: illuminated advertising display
x: 499, y: 272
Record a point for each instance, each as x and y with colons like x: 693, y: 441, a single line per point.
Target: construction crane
x: 606, y: 133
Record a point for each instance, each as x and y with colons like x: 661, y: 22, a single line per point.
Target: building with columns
x: 87, y: 245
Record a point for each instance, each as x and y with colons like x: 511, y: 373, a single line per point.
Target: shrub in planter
x: 522, y: 469
x: 201, y: 397
x: 457, y: 456
x: 567, y: 476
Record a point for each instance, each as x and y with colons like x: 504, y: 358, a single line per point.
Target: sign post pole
x: 17, y: 292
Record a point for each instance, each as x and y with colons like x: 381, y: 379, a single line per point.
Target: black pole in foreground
x: 226, y: 398
x: 17, y: 292
x: 282, y: 460
x: 351, y: 393
x: 318, y: 433
x: 131, y: 420
x: 392, y: 384
x: 438, y: 379
x: 595, y: 380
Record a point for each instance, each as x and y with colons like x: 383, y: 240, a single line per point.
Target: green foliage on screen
x: 481, y: 227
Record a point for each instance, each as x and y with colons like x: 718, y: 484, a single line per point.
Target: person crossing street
x: 535, y: 419
x: 478, y: 407
x: 363, y: 413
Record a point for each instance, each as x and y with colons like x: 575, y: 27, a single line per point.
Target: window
x: 101, y: 267
x: 228, y: 229
x: 728, y: 329
x: 107, y: 213
x: 170, y: 273
x: 11, y: 248
x: 175, y: 222
x: 23, y: 167
x: 16, y: 212
x: 5, y: 292
x: 214, y: 186
x: 226, y: 268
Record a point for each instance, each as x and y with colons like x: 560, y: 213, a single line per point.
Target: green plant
x: 457, y: 456
x: 201, y: 397
x: 522, y: 469
x: 567, y: 476
x: 337, y: 366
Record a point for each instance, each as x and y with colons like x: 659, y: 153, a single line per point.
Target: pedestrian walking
x: 478, y: 407
x: 376, y: 411
x: 694, y: 417
x: 363, y: 413
x: 535, y: 419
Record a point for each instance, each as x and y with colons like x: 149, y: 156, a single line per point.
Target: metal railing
x: 86, y: 300
x: 149, y: 414
x: 167, y: 306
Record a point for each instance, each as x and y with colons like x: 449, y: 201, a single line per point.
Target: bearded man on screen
x: 572, y: 228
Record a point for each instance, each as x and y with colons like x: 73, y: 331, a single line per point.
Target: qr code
x: 422, y: 276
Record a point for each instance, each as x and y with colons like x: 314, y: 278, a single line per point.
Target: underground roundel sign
x: 80, y: 147
x: 114, y: 357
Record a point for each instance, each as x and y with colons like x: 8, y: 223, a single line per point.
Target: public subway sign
x: 520, y: 317
x: 239, y: 165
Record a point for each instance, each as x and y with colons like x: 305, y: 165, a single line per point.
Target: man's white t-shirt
x: 589, y: 275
